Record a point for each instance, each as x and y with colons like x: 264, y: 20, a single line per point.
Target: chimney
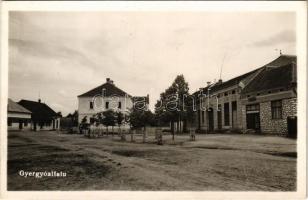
x: 39, y: 100
x: 219, y: 81
x: 208, y: 83
x: 148, y: 99
x: 108, y: 80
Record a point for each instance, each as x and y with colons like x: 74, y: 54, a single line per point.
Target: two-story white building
x: 106, y: 97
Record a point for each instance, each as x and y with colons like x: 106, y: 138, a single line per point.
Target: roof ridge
x: 104, y: 85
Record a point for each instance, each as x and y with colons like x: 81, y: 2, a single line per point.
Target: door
x: 253, y: 116
x: 292, y: 127
x: 210, y: 119
x: 219, y: 117
x: 219, y: 120
x: 20, y: 124
x: 34, y: 126
x: 234, y: 114
x: 253, y: 121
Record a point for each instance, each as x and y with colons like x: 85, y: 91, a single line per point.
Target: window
x: 92, y: 120
x: 107, y: 105
x: 91, y: 105
x: 226, y: 114
x: 120, y: 105
x: 233, y: 91
x: 253, y: 107
x: 226, y: 93
x: 26, y: 123
x: 276, y: 109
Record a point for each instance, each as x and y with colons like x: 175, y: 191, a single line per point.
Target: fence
x: 123, y: 133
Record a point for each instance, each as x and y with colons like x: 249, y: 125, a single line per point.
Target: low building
x: 270, y: 100
x: 107, y: 97
x: 222, y: 105
x: 219, y: 104
x: 43, y: 117
x: 18, y: 117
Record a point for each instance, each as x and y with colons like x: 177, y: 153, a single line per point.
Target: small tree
x: 74, y: 118
x: 120, y: 118
x: 141, y: 118
x: 83, y: 124
x: 108, y: 118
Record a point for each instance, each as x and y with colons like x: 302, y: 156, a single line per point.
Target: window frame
x: 276, y: 109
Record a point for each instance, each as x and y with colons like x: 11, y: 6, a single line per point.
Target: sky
x: 59, y: 55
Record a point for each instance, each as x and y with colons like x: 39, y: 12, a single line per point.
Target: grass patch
x: 79, y: 169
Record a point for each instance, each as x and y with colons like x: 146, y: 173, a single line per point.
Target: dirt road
x: 212, y: 163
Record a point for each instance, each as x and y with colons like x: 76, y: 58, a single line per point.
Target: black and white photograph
x: 133, y: 100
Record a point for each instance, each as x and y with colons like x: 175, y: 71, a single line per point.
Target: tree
x: 140, y: 119
x: 120, y: 118
x: 107, y: 118
x: 173, y: 104
x: 74, y: 118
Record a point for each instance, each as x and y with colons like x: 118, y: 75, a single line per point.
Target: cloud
x: 286, y: 36
x: 64, y: 54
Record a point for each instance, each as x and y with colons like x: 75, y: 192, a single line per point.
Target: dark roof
x: 15, y: 107
x: 40, y: 111
x: 282, y: 60
x: 110, y: 90
x: 272, y: 78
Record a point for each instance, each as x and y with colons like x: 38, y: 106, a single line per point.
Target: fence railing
x: 124, y: 133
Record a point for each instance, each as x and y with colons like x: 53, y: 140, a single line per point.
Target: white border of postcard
x: 299, y: 7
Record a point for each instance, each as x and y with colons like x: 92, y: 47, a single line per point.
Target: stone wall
x: 277, y: 126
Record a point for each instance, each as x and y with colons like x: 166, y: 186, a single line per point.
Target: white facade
x: 89, y: 106
x: 19, y: 121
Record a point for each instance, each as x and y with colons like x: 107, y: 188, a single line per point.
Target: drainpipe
x: 216, y: 102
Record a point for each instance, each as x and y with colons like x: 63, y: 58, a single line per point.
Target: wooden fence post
x: 192, y: 134
x: 159, y: 136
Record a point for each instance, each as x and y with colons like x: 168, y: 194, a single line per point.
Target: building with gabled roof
x: 107, y: 97
x: 18, y: 117
x: 270, y: 100
x: 109, y: 88
x: 42, y: 116
x: 222, y: 106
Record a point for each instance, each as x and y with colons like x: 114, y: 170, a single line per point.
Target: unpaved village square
x: 229, y: 162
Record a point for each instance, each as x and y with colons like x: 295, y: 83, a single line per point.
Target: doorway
x: 253, y: 117
x: 292, y: 127
x: 219, y: 118
x: 20, y: 124
x: 210, y: 119
x: 253, y: 121
x: 234, y: 114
